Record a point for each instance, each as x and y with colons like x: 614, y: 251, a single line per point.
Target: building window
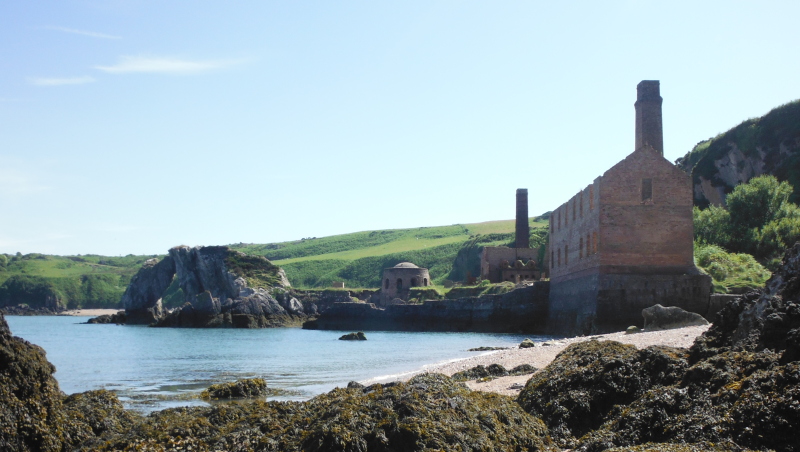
x: 647, y: 190
x: 574, y: 206
x: 558, y: 214
x: 425, y: 282
x: 399, y: 284
x: 413, y: 282
x: 588, y: 244
x: 559, y: 258
x: 552, y: 258
x: 591, y: 197
x: 594, y: 241
x: 386, y: 285
x: 580, y: 249
x: 566, y: 254
x: 566, y: 214
x: 581, y: 209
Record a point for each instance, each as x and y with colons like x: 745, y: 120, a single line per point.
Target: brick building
x: 501, y: 263
x: 399, y: 279
x: 625, y: 242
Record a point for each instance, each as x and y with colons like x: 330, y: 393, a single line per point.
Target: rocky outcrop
x: 142, y: 298
x: 118, y: 319
x: 660, y: 318
x: 359, y: 336
x: 766, y: 145
x: 222, y: 288
x: 521, y: 310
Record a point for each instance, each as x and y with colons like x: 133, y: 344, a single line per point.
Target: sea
x: 156, y: 368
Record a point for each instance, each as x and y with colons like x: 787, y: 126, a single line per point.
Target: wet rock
x: 359, y: 336
x: 578, y: 391
x: 142, y: 297
x: 663, y: 318
x: 429, y: 412
x: 527, y: 343
x: 244, y: 388
x: 633, y: 329
x: 486, y: 349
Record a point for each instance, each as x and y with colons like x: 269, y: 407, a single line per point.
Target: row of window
x: 577, y: 209
x: 399, y: 283
x: 585, y: 249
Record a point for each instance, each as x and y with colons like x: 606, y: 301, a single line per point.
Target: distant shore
x: 541, y: 355
x: 89, y: 312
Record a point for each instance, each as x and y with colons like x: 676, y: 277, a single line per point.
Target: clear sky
x: 131, y: 126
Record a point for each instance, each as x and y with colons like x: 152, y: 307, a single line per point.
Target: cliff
x: 521, y: 310
x: 221, y: 288
x: 766, y: 145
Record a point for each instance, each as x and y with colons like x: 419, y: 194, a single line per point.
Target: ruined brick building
x: 501, y: 263
x: 399, y: 279
x: 625, y: 242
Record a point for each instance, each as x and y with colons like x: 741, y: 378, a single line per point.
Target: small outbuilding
x: 399, y: 279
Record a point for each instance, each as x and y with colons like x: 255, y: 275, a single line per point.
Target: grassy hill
x: 87, y: 281
x: 449, y: 252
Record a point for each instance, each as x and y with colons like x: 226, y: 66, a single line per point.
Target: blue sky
x: 132, y: 126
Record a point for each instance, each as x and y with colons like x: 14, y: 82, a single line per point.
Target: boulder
x: 527, y: 343
x: 118, y: 319
x: 360, y: 336
x: 663, y: 318
x: 142, y: 298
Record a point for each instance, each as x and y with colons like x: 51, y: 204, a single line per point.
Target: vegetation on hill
x: 769, y: 143
x: 74, y: 282
x: 449, y: 252
x: 759, y: 220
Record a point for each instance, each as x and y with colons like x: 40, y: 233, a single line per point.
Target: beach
x: 89, y: 312
x: 541, y: 355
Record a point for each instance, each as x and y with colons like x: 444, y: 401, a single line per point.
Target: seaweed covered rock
x: 30, y: 400
x: 244, y: 388
x: 491, y: 371
x: 93, y: 413
x: 742, y: 385
x: 580, y: 389
x: 429, y: 412
x: 118, y: 319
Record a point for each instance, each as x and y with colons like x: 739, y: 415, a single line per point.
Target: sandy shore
x: 541, y: 355
x: 89, y: 312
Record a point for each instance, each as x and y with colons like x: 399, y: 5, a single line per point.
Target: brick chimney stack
x: 523, y: 237
x: 648, y: 116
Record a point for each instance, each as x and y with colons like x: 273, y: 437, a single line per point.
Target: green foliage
x: 765, y: 135
x: 3, y: 261
x: 730, y: 272
x: 256, y: 270
x: 760, y: 220
x: 85, y: 291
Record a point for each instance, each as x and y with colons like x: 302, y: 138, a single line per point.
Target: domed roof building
x: 399, y: 279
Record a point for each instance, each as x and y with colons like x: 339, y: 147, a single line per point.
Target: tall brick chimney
x: 648, y: 115
x: 523, y: 237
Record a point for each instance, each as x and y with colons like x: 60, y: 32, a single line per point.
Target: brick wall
x: 493, y: 256
x: 573, y: 228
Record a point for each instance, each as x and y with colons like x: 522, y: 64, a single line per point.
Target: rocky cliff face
x: 222, y: 288
x: 766, y: 145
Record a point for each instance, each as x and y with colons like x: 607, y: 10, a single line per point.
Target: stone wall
x: 523, y: 310
x: 493, y: 256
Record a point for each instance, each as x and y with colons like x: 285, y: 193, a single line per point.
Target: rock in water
x: 118, y: 319
x: 221, y: 287
x: 527, y: 343
x: 660, y: 318
x: 360, y: 336
x: 245, y: 388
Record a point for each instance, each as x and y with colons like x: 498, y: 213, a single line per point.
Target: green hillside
x: 449, y: 252
x: 769, y: 144
x: 88, y: 281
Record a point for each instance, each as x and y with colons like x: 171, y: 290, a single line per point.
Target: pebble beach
x: 541, y: 355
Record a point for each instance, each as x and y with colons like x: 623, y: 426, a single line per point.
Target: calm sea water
x: 155, y: 368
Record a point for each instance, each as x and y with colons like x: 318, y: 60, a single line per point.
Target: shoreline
x: 540, y: 356
x: 89, y: 312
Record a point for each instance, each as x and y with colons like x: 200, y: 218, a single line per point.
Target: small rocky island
x: 221, y: 288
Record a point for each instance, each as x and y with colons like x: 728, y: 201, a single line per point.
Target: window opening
x: 591, y: 197
x: 386, y: 285
x: 580, y: 249
x: 399, y: 284
x: 647, y: 190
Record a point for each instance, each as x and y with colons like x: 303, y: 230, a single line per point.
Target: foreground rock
x: 430, y: 412
x: 35, y: 415
x: 739, y: 384
x: 221, y: 288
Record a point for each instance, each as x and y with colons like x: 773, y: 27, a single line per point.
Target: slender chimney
x: 523, y: 237
x: 648, y: 116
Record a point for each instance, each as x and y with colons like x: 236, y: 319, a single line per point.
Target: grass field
x: 449, y: 252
